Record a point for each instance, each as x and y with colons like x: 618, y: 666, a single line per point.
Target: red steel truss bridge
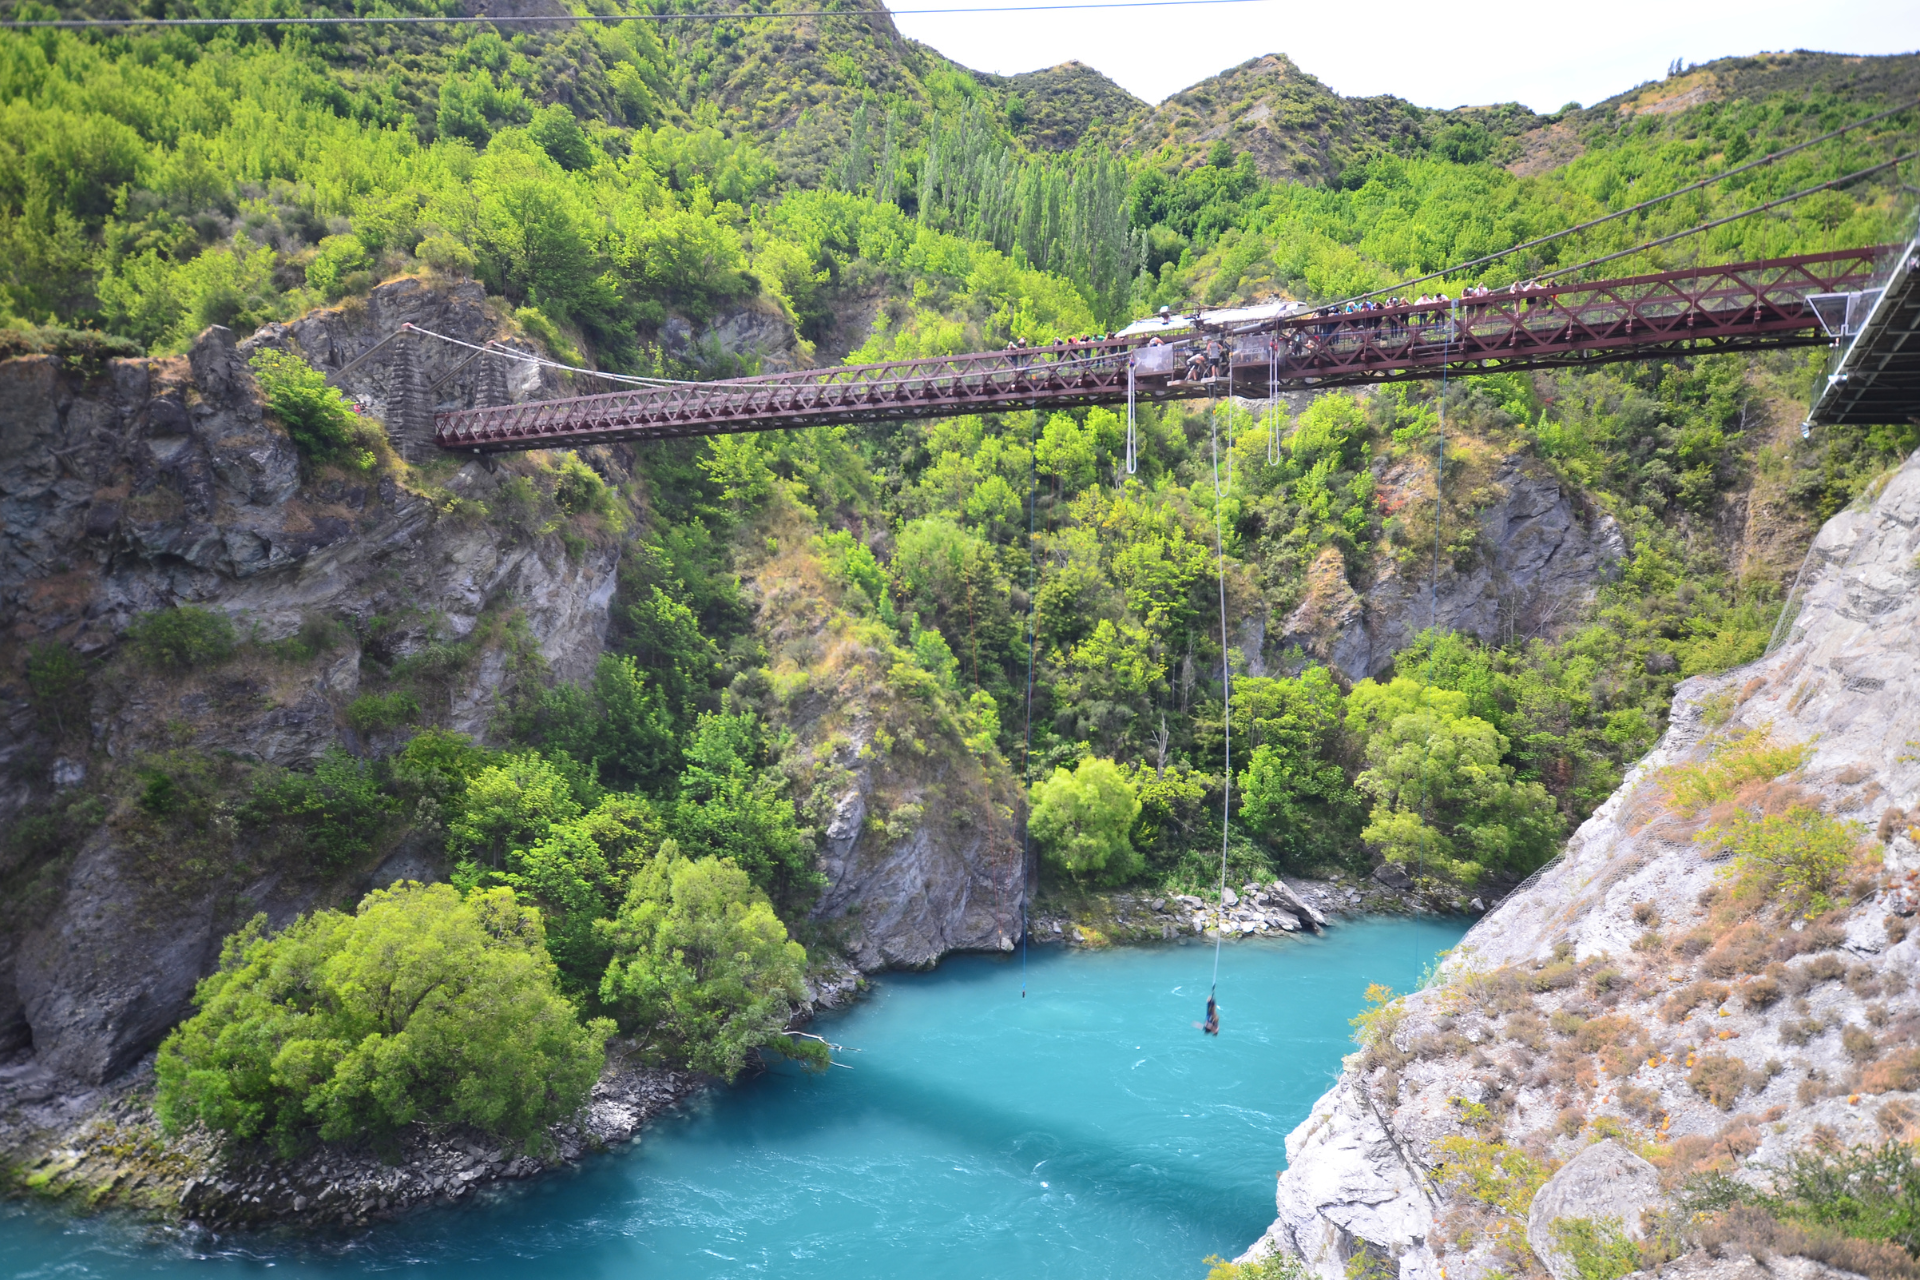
x: 1737, y: 307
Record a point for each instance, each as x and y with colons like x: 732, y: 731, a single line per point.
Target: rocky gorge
x: 1644, y: 1012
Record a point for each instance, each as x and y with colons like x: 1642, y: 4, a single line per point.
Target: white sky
x: 1543, y: 53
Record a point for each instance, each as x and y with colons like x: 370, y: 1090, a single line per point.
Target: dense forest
x: 602, y: 179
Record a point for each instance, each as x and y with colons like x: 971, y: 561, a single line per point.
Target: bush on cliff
x: 703, y: 972
x: 182, y: 638
x: 325, y: 427
x: 336, y: 813
x: 420, y: 1007
x: 1445, y: 800
x: 1083, y: 821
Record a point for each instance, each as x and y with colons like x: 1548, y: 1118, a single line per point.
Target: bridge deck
x: 1739, y: 306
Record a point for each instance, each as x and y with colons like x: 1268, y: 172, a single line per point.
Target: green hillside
x: 602, y: 180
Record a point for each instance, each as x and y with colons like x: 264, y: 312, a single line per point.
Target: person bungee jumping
x: 1212, y: 1025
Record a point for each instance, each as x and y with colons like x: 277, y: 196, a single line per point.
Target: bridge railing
x: 1750, y: 300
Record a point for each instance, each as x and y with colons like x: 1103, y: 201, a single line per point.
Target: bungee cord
x: 1226, y: 689
x: 1433, y: 591
x: 1026, y: 753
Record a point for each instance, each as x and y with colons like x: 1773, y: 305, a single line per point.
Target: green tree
x: 730, y: 808
x: 618, y: 725
x: 56, y: 683
x: 183, y: 637
x: 560, y: 136
x: 324, y: 426
x: 510, y: 805
x: 1295, y: 790
x: 420, y: 1007
x: 338, y: 811
x: 1444, y: 800
x: 703, y: 972
x: 1083, y: 821
x: 576, y: 874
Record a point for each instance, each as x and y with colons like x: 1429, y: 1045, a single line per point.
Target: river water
x: 1087, y: 1130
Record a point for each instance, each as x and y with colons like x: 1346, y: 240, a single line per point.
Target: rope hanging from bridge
x: 1273, y: 401
x: 1133, y: 447
x: 1226, y: 691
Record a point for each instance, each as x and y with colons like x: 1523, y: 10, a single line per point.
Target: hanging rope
x: 1226, y: 682
x: 1433, y: 579
x: 1026, y: 753
x: 1133, y: 446
x: 1273, y: 400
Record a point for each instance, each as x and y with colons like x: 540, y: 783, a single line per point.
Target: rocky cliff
x: 153, y: 483
x: 133, y: 485
x: 1655, y: 986
x: 1539, y: 555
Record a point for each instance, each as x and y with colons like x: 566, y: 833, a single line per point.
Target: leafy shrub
x: 419, y: 1007
x: 703, y: 971
x: 1721, y: 1078
x: 1083, y: 821
x: 1275, y: 1266
x: 1800, y: 855
x: 1866, y: 1192
x: 1751, y: 757
x: 56, y: 683
x: 337, y: 812
x: 183, y: 637
x: 339, y: 267
x: 543, y: 330
x: 729, y: 807
x: 579, y: 490
x: 1598, y: 1247
x: 1494, y: 1174
x: 374, y: 711
x: 324, y: 426
x: 1376, y: 1023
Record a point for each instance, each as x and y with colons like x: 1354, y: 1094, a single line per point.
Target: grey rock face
x: 163, y: 482
x: 1605, y: 1181
x: 1845, y: 685
x: 1542, y: 559
x: 756, y: 333
x: 1740, y: 1265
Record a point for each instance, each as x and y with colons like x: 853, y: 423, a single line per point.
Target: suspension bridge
x: 1774, y: 303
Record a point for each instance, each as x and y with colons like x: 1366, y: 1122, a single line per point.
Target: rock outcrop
x: 1631, y: 992
x: 1604, y: 1183
x: 1539, y: 560
x: 141, y: 484
x: 162, y: 482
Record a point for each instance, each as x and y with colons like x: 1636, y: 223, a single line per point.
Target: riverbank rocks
x: 117, y: 1156
x: 1604, y: 1183
x: 1262, y: 909
x: 1624, y: 1001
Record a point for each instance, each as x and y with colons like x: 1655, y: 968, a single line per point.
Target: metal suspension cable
x: 1767, y: 159
x: 526, y: 357
x: 460, y: 20
x: 1732, y: 217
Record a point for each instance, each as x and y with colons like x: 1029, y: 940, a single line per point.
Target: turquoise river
x: 1087, y: 1130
